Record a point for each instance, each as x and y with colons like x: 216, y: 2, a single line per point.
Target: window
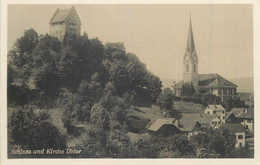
x: 246, y: 126
x: 240, y: 136
x: 208, y: 112
x: 223, y: 112
x: 187, y: 68
x: 224, y: 91
x: 223, y: 117
x: 194, y: 68
x: 214, y: 112
x: 249, y: 121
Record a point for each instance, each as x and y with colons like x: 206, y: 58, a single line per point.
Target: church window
x: 224, y: 91
x: 187, y: 68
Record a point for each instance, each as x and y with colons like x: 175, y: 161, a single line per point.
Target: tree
x: 165, y: 101
x: 213, y: 143
x: 30, y: 128
x: 187, y: 89
x: 24, y: 47
x: 45, y: 61
x: 230, y: 103
x: 208, y: 98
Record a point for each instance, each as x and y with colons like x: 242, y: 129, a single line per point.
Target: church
x: 208, y: 83
x: 65, y: 21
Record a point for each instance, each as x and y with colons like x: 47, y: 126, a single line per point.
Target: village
x: 103, y: 102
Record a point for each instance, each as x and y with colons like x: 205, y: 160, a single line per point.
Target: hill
x: 245, y: 85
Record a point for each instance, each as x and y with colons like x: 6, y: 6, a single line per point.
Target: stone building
x: 206, y: 83
x: 65, y: 21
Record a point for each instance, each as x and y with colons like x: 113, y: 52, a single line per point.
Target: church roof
x: 190, y: 41
x: 213, y: 80
x: 210, y: 80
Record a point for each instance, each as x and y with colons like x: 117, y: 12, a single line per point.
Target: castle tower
x: 65, y: 21
x: 190, y: 60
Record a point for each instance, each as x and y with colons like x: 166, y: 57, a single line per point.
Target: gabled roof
x: 233, y: 127
x: 237, y: 111
x: 158, y: 124
x: 216, y: 107
x: 188, y: 126
x: 228, y: 114
x: 188, y: 122
x: 207, y: 119
x: 190, y: 117
x: 247, y: 113
x: 61, y: 15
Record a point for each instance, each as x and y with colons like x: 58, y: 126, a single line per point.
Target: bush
x: 29, y: 128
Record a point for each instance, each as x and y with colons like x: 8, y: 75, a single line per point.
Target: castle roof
x: 61, y: 15
x: 210, y: 80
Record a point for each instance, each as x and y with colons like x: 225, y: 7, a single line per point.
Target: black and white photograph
x: 130, y: 81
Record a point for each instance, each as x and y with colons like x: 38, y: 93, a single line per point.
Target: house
x: 245, y: 116
x: 164, y: 127
x: 239, y: 131
x: 208, y: 83
x: 248, y: 98
x: 231, y: 118
x: 211, y: 120
x: 189, y: 124
x: 65, y: 21
x: 218, y: 110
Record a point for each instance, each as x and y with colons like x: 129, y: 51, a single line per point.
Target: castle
x: 209, y: 83
x: 63, y: 22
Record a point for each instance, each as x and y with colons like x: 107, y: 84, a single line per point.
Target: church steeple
x: 190, y: 61
x: 190, y: 41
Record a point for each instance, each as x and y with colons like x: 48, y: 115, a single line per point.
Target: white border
x: 3, y: 76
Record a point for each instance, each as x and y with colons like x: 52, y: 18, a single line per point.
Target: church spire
x: 190, y: 42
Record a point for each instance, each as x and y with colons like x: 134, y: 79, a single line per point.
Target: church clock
x: 187, y: 58
x: 194, y: 58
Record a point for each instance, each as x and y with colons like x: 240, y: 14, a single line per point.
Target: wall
x: 250, y: 125
x: 242, y: 141
x: 74, y: 19
x: 57, y: 30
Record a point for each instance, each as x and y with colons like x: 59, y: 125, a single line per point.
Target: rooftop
x: 210, y: 80
x: 159, y: 123
x: 233, y: 127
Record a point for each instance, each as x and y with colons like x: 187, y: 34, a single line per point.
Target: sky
x: 157, y: 34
